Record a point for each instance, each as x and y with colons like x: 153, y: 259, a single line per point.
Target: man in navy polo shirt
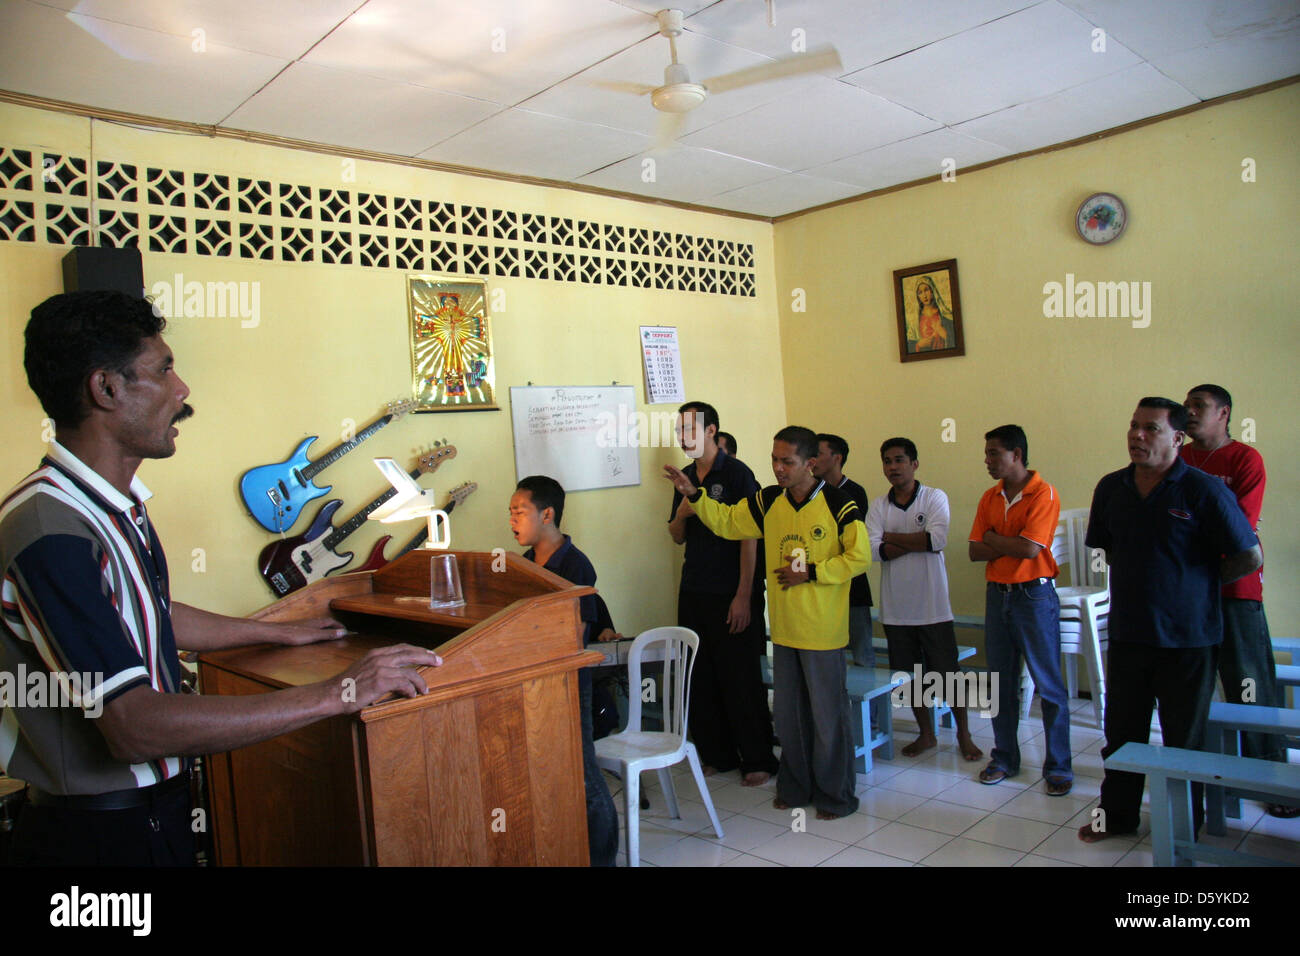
x: 1165, y: 528
x: 721, y: 600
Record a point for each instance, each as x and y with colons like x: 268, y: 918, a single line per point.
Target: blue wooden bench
x: 869, y: 691
x: 1226, y: 724
x: 1288, y: 645
x: 1288, y: 675
x: 1170, y: 771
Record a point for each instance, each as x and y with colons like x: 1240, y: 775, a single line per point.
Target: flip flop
x: 991, y: 775
x: 1282, y: 811
x: 1058, y: 786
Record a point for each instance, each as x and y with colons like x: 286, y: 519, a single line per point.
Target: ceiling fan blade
x: 636, y: 89
x: 667, y: 129
x: 814, y: 60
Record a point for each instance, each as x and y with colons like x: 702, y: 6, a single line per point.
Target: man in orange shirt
x: 1013, y: 531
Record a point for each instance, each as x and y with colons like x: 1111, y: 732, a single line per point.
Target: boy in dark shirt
x: 535, y: 511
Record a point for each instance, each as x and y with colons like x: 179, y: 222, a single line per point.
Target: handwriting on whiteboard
x: 568, y: 411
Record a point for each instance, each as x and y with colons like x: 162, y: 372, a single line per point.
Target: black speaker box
x: 93, y: 269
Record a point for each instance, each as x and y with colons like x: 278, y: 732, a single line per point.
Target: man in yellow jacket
x: 815, y: 542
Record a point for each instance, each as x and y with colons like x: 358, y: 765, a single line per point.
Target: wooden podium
x: 486, y: 769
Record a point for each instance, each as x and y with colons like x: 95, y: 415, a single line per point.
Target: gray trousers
x: 811, y: 713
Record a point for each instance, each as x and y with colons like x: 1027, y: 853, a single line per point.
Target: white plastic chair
x: 634, y: 750
x: 1085, y: 609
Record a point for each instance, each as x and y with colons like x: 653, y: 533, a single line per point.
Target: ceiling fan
x: 679, y: 94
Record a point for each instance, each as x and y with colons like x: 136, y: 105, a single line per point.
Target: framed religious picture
x: 929, y: 312
x: 451, y: 344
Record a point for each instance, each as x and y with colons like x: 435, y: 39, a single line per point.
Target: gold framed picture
x: 451, y: 344
x: 929, y: 312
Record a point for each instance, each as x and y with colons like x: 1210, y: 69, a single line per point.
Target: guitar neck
x: 358, y: 519
x: 338, y: 451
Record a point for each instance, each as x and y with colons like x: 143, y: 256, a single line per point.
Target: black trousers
x: 155, y: 835
x: 730, y: 722
x: 602, y: 818
x: 1138, y: 676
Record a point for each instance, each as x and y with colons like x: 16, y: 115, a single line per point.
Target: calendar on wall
x: 663, y: 365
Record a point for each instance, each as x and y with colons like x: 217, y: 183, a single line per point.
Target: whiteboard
x: 576, y: 434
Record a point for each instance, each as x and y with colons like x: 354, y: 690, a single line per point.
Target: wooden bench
x: 869, y: 690
x: 1226, y: 724
x: 1170, y: 771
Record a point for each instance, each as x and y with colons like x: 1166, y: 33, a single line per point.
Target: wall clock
x: 1101, y: 218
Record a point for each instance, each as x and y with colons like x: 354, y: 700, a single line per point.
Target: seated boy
x: 535, y: 511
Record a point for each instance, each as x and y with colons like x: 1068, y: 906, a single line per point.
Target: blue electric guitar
x: 275, y: 494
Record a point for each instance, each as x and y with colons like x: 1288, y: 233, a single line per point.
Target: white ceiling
x: 530, y: 87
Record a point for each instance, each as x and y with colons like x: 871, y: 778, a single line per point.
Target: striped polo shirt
x: 85, y: 592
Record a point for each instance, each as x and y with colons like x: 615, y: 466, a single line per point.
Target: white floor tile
x: 847, y: 830
x: 905, y: 842
x: 857, y: 856
x: 1036, y: 805
x: 1277, y: 827
x: 769, y: 814
x: 963, y: 852
x: 922, y: 783
x: 1014, y: 833
x: 798, y: 849
x: 738, y: 799
x: 882, y: 770
x: 694, y: 816
x: 692, y: 851
x: 745, y: 859
x: 1065, y: 844
x: 1031, y: 859
x: 744, y: 833
x: 1286, y: 850
x: 1088, y: 763
x: 949, y: 818
x: 972, y: 793
x: 887, y: 804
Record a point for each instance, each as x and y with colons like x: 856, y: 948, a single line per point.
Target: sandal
x: 992, y: 774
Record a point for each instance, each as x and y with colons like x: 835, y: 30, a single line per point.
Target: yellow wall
x: 1220, y: 255
x: 332, y: 345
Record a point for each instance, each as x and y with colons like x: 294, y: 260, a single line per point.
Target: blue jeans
x: 1025, y: 623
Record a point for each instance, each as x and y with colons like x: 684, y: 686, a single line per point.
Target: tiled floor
x: 928, y: 811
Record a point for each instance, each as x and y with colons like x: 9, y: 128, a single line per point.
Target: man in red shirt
x: 1246, y: 664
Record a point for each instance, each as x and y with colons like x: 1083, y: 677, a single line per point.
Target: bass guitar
x: 376, y: 560
x: 293, y: 563
x: 275, y: 494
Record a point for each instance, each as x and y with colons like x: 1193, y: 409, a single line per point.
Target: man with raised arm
x: 814, y: 542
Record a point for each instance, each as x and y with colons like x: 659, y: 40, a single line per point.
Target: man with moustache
x: 86, y: 591
x: 721, y: 600
x: 1246, y: 664
x: 1165, y: 528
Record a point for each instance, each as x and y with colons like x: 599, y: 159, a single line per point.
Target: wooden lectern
x: 486, y: 769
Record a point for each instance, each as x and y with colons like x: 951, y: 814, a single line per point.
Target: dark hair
x: 803, y: 439
x: 72, y: 334
x: 546, y: 493
x: 709, y: 413
x: 1011, y: 437
x: 837, y: 445
x: 1220, y: 396
x: 1177, y: 411
x: 730, y: 439
x: 908, y: 446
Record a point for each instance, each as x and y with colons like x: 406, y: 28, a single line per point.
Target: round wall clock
x: 1101, y: 218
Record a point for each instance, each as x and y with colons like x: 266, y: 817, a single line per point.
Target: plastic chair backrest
x: 1086, y: 571
x: 680, y: 646
x: 1062, y: 553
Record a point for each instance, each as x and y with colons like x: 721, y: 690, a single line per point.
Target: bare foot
x: 779, y: 804
x: 920, y: 745
x: 968, y: 749
x: 708, y: 771
x: 827, y: 815
x: 756, y: 779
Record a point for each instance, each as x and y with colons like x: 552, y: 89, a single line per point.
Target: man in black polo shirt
x: 1165, y: 528
x: 721, y: 600
x: 832, y: 453
x: 86, y: 592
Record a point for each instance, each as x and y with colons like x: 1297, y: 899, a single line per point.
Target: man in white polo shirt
x: 908, y: 529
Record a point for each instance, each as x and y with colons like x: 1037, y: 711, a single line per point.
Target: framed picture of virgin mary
x: 451, y: 344
x: 929, y: 312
